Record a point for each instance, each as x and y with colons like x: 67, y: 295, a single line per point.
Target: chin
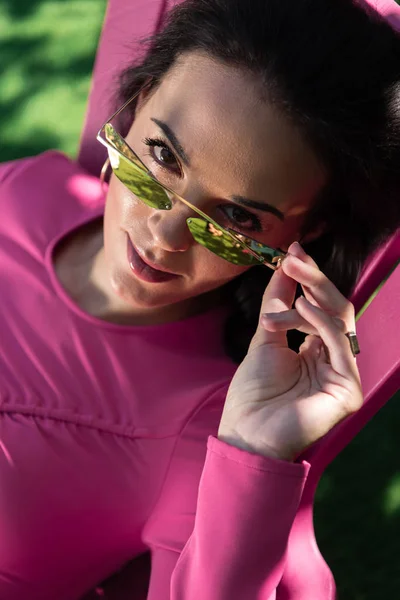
x: 138, y: 294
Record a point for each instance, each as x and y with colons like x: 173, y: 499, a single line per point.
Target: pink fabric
x: 92, y: 475
x: 306, y: 573
x: 376, y: 269
x: 108, y: 443
x: 125, y: 25
x: 389, y: 9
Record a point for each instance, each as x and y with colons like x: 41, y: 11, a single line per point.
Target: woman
x: 124, y: 426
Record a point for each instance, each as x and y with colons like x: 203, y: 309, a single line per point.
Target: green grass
x: 357, y: 511
x: 47, y: 50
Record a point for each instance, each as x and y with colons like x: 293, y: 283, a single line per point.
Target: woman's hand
x: 279, y: 401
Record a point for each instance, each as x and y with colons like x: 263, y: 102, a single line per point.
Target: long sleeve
x: 13, y: 168
x: 225, y: 538
x: 6, y: 168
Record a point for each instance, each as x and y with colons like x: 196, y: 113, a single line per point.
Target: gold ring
x: 354, y: 345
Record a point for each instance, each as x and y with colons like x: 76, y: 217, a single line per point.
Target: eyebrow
x: 263, y: 206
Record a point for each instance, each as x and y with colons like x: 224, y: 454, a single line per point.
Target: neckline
x: 198, y: 320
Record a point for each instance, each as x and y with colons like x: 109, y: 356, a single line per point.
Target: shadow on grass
x: 24, y: 8
x: 357, y: 511
x: 37, y: 72
x: 39, y: 141
x: 31, y: 69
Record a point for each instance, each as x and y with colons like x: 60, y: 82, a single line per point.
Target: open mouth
x: 143, y: 270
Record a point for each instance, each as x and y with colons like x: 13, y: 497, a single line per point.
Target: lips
x: 143, y: 270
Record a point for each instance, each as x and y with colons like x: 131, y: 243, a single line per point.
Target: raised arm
x: 225, y: 537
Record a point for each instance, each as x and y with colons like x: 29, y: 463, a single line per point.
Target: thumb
x: 279, y: 296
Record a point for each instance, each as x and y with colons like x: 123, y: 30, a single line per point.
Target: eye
x: 162, y: 154
x: 241, y: 218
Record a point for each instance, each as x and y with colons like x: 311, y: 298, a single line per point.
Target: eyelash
x: 256, y: 223
x: 160, y: 143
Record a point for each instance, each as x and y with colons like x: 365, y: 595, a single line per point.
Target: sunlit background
x: 47, y: 49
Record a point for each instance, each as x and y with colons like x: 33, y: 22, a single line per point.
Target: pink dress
x: 108, y: 444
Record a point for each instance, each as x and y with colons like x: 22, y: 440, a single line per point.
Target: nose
x: 169, y: 228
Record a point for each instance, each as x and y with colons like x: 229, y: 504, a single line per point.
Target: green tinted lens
x: 130, y: 172
x: 220, y: 242
x: 269, y: 255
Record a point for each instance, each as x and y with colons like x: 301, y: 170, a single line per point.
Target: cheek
x: 122, y: 210
x: 118, y: 215
x: 210, y: 270
x: 113, y: 207
x: 205, y: 271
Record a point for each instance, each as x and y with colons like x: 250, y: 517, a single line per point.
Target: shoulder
x: 49, y: 172
x: 42, y: 195
x: 14, y: 168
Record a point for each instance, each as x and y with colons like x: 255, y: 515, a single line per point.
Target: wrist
x: 233, y: 439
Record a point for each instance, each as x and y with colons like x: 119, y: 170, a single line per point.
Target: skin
x: 279, y: 401
x: 237, y: 145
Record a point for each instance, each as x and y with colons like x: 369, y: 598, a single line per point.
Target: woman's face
x: 206, y: 133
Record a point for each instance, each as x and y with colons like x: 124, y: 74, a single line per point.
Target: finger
x: 322, y: 289
x: 290, y: 319
x: 340, y: 354
x: 278, y: 296
x: 313, y: 348
x: 286, y: 320
x: 313, y: 344
x: 296, y: 249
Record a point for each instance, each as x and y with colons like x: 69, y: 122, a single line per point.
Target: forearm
x: 245, y: 510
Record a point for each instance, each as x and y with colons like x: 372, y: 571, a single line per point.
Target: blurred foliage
x: 47, y: 50
x: 357, y: 511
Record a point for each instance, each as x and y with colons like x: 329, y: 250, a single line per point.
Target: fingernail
x: 304, y: 299
x: 297, y: 250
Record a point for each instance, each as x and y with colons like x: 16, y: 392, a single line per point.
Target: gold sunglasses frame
x: 273, y: 264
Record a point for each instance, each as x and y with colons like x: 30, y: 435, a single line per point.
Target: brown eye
x: 164, y: 155
x: 240, y: 218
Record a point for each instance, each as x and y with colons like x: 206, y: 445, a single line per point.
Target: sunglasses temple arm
x: 188, y: 204
x: 262, y: 261
x: 103, y: 174
x: 122, y: 108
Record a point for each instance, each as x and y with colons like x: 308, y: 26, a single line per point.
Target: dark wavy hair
x: 332, y: 68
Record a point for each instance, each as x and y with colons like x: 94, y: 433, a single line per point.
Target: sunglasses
x: 226, y: 243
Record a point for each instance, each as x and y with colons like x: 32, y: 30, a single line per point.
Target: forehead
x: 233, y: 136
